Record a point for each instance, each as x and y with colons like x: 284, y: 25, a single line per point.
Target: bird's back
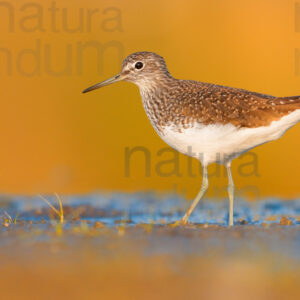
x: 192, y: 101
x: 217, y: 122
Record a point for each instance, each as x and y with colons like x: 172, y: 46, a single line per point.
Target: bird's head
x: 141, y: 68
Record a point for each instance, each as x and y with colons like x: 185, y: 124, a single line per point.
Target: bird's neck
x: 154, y: 85
x: 156, y: 100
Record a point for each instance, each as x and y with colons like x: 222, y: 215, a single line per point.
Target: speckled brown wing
x: 211, y: 104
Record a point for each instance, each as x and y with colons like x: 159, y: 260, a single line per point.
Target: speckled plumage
x: 210, y: 122
x: 168, y: 100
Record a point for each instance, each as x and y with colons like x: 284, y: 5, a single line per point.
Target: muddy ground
x: 125, y: 247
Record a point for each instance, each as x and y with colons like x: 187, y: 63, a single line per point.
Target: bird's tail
x: 290, y: 98
x: 292, y: 102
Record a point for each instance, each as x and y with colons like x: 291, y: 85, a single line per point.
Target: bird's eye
x: 139, y: 65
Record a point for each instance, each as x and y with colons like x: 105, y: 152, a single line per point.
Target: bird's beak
x: 104, y: 83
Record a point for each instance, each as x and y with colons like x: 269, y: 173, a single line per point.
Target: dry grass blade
x: 61, y: 208
x: 59, y: 213
x: 8, y: 216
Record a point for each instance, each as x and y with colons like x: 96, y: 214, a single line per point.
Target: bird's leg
x: 201, y: 193
x: 230, y: 193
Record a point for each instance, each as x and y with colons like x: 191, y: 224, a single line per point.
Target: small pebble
x: 99, y: 224
x: 285, y: 221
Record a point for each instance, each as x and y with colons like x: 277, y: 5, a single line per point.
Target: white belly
x: 220, y: 143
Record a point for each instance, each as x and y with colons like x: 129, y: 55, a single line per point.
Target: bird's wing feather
x: 210, y: 104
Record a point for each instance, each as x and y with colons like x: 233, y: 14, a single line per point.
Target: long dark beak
x: 104, y: 83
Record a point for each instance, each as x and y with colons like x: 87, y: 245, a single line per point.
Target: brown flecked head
x: 142, y: 67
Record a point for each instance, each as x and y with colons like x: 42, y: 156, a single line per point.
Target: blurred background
x: 55, y: 139
x: 109, y: 239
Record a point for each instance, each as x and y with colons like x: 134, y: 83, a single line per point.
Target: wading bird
x: 217, y: 123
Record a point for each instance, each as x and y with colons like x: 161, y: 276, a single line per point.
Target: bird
x: 218, y: 123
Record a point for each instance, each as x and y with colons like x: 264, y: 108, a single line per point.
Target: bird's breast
x: 163, y: 111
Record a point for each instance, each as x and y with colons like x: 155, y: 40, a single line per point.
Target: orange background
x: 53, y: 138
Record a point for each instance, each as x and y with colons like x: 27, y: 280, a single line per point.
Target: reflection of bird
x: 210, y: 122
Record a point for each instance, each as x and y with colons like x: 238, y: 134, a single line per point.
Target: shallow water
x: 131, y: 239
x: 270, y: 224
x: 147, y: 208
